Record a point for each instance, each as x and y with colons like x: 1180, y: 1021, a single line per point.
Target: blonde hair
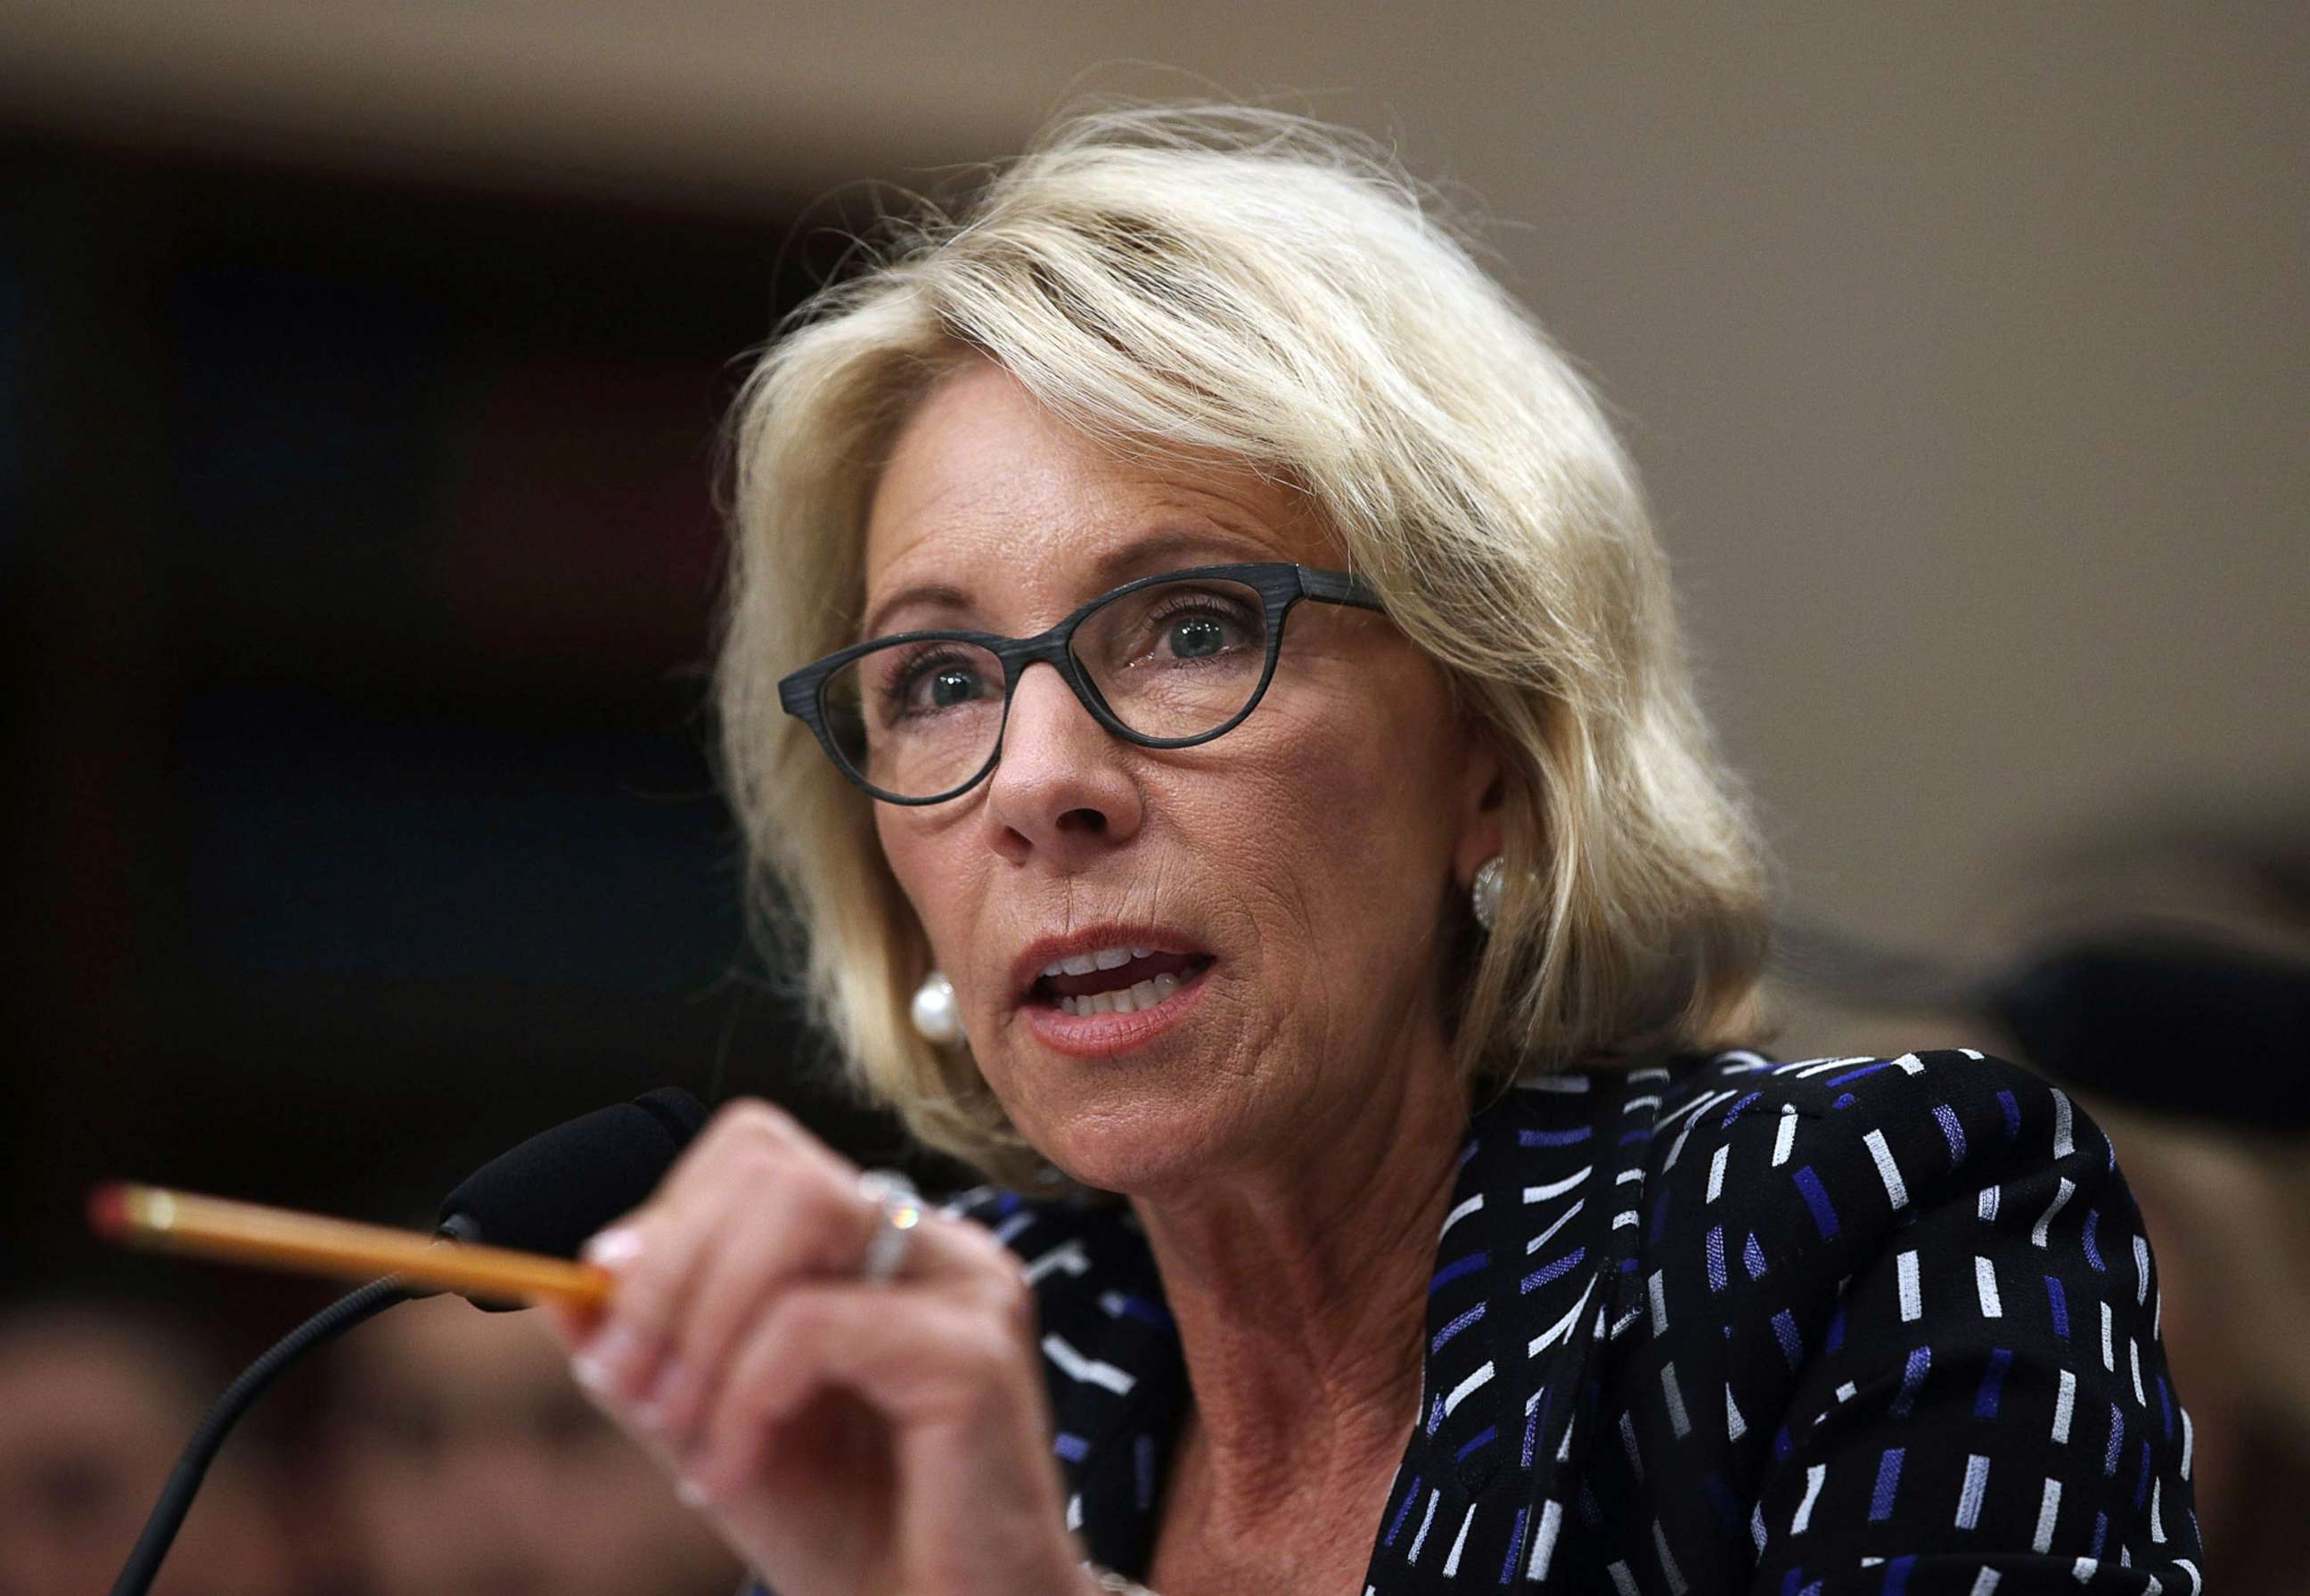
x: 1243, y: 283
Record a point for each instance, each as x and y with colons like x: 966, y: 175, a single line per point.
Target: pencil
x: 278, y: 1238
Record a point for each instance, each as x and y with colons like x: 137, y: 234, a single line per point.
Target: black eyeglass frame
x: 1280, y: 586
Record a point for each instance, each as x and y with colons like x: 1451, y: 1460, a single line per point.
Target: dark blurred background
x: 360, y: 368
x: 359, y: 562
x: 361, y: 579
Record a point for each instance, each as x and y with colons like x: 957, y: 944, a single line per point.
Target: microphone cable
x: 546, y: 1195
x: 192, y: 1467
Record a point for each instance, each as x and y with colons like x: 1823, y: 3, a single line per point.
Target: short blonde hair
x: 1243, y: 283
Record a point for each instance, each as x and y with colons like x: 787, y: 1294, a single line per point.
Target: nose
x: 1061, y: 789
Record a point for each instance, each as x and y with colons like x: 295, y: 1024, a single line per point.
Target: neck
x: 1300, y: 1289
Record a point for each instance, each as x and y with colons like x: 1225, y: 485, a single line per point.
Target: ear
x: 1481, y: 805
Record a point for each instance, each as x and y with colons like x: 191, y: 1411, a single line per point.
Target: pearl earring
x: 938, y: 1018
x: 1484, y: 897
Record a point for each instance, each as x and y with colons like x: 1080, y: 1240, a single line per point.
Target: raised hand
x: 846, y: 1436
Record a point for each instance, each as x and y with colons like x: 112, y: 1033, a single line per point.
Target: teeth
x: 1103, y: 959
x: 1123, y: 1000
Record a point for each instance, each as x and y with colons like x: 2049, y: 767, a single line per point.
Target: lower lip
x: 1104, y: 1035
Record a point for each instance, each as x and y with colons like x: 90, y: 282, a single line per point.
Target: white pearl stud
x: 1484, y: 897
x: 938, y: 1016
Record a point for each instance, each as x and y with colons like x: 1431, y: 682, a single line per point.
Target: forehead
x: 984, y: 486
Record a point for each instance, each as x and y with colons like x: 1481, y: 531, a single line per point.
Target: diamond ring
x: 902, y: 1207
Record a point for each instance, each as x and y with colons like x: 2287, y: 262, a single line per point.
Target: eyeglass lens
x: 1175, y: 659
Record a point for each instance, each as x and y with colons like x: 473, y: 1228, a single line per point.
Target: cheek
x: 1344, y: 817
x: 1366, y: 776
x: 934, y: 871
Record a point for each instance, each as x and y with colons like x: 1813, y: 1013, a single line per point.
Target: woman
x: 1264, y: 955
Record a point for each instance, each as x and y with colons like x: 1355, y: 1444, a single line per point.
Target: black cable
x: 547, y: 1195
x: 208, y: 1437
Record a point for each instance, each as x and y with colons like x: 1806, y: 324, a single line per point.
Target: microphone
x: 558, y: 1187
x: 547, y: 1195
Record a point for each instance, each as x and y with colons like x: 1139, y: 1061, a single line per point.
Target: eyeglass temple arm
x: 1336, y: 587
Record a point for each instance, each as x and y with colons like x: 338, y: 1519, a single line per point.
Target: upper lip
x: 1029, y: 967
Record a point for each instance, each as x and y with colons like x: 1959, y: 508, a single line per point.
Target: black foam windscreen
x: 561, y: 1185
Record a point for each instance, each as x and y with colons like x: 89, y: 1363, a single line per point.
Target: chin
x: 1146, y: 1152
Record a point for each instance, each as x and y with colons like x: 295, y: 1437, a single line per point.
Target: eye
x: 944, y: 687
x: 935, y: 682
x: 1194, y: 637
x: 1172, y: 632
x: 1198, y: 626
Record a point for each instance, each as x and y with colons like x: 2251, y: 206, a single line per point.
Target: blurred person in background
x: 463, y: 1463
x: 96, y: 1402
x: 2122, y: 959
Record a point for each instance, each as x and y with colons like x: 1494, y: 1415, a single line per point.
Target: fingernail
x: 614, y: 1247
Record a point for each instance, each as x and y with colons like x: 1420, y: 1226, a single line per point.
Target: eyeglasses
x: 1169, y: 661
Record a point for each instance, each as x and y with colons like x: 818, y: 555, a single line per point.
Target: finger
x: 714, y: 1227
x: 814, y: 1222
x: 758, y: 1203
x: 920, y: 1357
x: 655, y: 1252
x: 804, y: 1222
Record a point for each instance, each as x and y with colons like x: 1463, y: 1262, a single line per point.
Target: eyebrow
x: 877, y: 625
x: 1142, y: 556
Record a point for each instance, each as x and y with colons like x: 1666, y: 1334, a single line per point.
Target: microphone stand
x: 169, y: 1512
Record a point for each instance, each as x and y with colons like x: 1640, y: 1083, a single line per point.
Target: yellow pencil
x: 277, y: 1238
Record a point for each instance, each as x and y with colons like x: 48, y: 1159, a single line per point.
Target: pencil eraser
x: 108, y: 1211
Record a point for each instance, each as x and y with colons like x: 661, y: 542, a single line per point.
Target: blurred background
x: 359, y: 368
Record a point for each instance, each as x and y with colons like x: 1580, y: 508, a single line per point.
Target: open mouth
x: 1114, y: 980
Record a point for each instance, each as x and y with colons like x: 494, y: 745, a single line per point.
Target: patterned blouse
x: 1883, y: 1325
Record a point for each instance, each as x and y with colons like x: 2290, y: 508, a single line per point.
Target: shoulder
x: 1742, y: 1082
x: 1902, y: 1274
x: 1819, y: 1170
x: 1857, y: 1142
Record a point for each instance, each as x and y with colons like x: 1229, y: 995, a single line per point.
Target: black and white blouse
x: 1850, y: 1324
